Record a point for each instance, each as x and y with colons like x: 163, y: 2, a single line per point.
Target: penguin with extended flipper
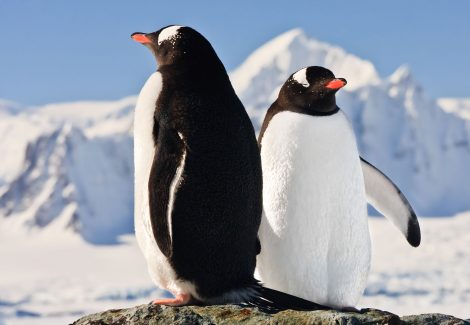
x: 198, y: 180
x: 314, y: 232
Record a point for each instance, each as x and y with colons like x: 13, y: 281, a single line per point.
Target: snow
x: 59, y: 277
x: 401, y: 75
x: 434, y: 277
x: 66, y: 181
x: 69, y: 176
x: 16, y: 131
x: 95, y: 119
x: 457, y: 106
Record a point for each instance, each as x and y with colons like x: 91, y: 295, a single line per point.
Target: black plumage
x: 210, y: 238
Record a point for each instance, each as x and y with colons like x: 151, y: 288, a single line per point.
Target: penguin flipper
x: 164, y: 177
x: 387, y: 198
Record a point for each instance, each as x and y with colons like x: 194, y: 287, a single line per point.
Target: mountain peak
x: 402, y: 83
x: 265, y: 55
x: 272, y: 63
x: 258, y: 79
x: 401, y: 75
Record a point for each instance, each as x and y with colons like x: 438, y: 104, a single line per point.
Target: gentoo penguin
x: 198, y: 180
x: 314, y: 232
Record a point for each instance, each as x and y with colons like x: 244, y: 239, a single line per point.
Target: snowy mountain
x: 258, y: 79
x: 422, y: 147
x: 457, y: 106
x: 70, y: 165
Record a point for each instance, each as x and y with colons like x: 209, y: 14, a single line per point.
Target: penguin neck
x: 214, y: 76
x: 313, y: 109
x: 306, y: 103
x: 196, y: 65
x: 284, y: 106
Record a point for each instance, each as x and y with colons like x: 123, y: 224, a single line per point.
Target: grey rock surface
x: 231, y: 314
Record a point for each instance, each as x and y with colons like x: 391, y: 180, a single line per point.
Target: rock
x: 231, y: 314
x: 432, y: 319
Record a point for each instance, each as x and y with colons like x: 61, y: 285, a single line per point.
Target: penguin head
x: 176, y: 44
x: 312, y: 89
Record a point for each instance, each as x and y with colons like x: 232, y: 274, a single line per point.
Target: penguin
x: 198, y: 179
x: 314, y: 230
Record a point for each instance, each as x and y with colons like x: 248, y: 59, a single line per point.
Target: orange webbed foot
x: 180, y: 300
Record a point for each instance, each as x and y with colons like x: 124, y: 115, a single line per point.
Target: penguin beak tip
x: 140, y: 38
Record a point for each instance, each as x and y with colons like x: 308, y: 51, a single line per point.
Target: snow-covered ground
x: 53, y: 277
x: 435, y: 277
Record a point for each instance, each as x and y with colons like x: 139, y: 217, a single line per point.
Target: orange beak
x: 336, y: 83
x: 141, y: 38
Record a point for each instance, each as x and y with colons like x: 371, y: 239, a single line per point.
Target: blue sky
x: 63, y: 50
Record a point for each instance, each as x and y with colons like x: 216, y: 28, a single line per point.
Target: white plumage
x: 301, y: 77
x: 175, y: 183
x: 161, y: 272
x: 314, y: 232
x: 168, y: 33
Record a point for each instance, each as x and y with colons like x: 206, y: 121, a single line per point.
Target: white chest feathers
x: 144, y: 149
x: 159, y: 268
x: 314, y: 233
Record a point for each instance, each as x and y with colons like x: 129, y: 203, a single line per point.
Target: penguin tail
x: 273, y: 301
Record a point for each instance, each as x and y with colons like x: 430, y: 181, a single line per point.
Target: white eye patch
x: 301, y: 77
x: 169, y: 33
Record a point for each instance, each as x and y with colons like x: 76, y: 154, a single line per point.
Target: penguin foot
x: 180, y: 300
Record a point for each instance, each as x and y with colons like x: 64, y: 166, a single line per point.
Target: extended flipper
x: 165, y: 178
x: 387, y: 198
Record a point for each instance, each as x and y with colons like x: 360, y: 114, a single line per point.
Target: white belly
x: 159, y: 268
x: 314, y: 234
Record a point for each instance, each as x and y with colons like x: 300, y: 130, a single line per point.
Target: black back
x: 315, y: 99
x: 217, y: 209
